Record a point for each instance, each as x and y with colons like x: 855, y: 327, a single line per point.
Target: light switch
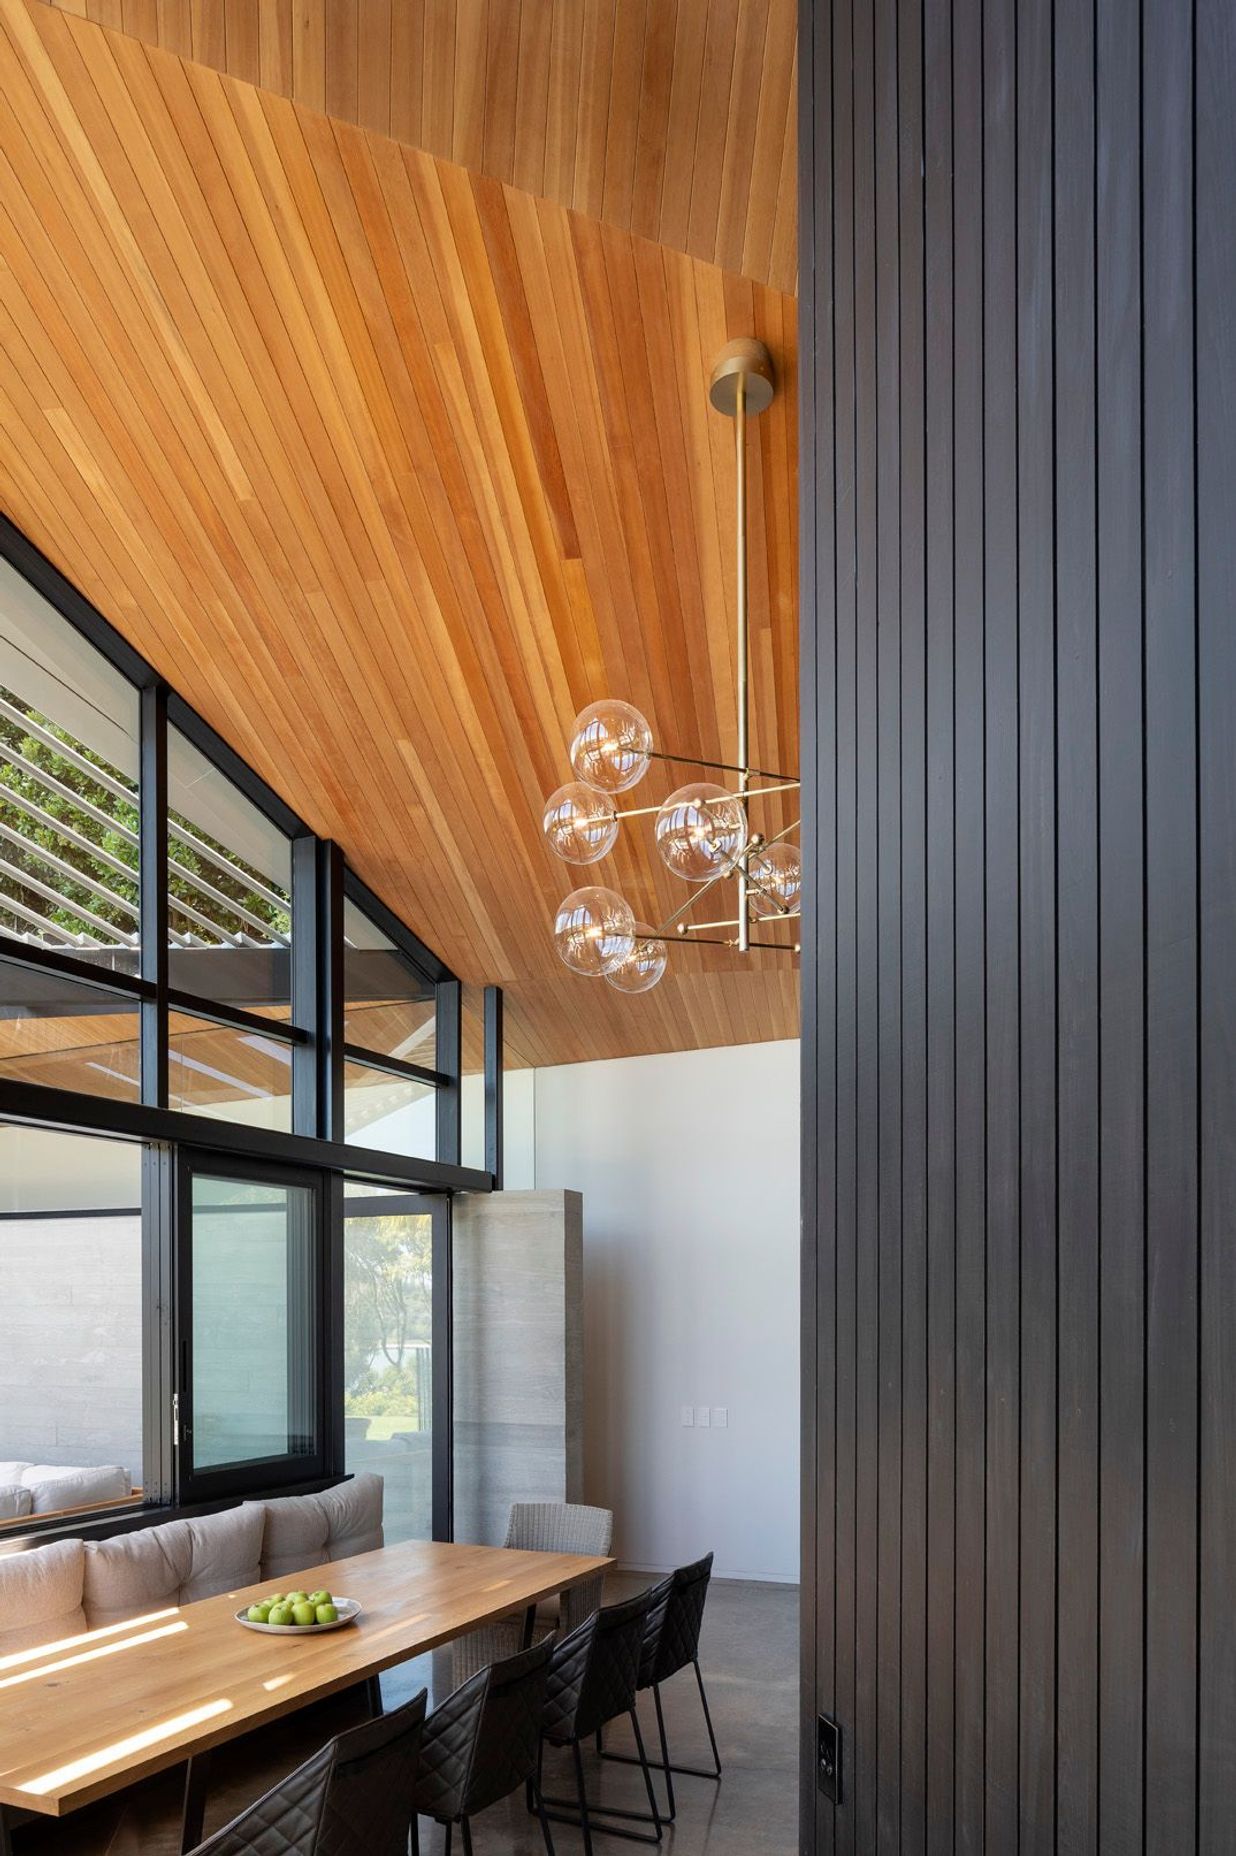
x: 720, y: 1417
x: 703, y: 1417
x: 688, y: 1415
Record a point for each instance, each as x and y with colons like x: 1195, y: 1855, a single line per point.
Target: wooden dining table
x: 86, y: 1716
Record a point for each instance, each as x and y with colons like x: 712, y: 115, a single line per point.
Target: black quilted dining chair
x: 372, y: 1785
x: 286, y: 1821
x: 482, y: 1744
x: 592, y: 1681
x: 353, y: 1798
x: 671, y: 1643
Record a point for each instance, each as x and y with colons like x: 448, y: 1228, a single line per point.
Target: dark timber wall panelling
x: 1019, y: 658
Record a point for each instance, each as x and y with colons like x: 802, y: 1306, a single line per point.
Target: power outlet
x: 703, y: 1417
x: 828, y: 1757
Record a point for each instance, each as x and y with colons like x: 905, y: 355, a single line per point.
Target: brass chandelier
x: 703, y: 830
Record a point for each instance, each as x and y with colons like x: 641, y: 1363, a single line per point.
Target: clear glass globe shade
x: 776, y: 881
x: 594, y: 931
x: 643, y: 966
x: 580, y: 825
x: 700, y: 830
x: 610, y: 746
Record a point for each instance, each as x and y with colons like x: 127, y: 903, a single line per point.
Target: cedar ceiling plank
x: 536, y: 24
x: 621, y: 108
x: 652, y: 118
x: 389, y: 469
x: 663, y: 117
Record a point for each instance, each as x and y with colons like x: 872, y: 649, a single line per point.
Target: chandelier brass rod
x: 773, y: 947
x: 753, y: 792
x: 762, y: 792
x: 691, y: 928
x: 720, y: 766
x: 744, y: 751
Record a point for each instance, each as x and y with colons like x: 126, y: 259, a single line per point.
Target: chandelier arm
x: 692, y: 899
x: 722, y: 766
x: 757, y: 843
x: 772, y: 947
x: 754, y: 792
x: 693, y: 928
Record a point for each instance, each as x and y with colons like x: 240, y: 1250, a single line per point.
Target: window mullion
x: 152, y: 812
x: 494, y: 1061
x: 449, y: 1055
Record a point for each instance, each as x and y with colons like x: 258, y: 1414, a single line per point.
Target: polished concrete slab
x: 749, y: 1653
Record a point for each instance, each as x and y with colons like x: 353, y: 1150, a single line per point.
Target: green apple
x: 280, y: 1614
x: 258, y: 1614
x: 304, y: 1613
x: 320, y: 1598
x: 327, y: 1614
x: 297, y: 1598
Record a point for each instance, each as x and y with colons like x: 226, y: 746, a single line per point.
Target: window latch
x: 175, y: 1420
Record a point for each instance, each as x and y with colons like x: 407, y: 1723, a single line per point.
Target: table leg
x: 197, y: 1780
x: 6, y: 1841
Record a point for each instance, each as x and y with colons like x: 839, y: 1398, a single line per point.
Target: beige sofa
x: 43, y: 1488
x: 57, y: 1591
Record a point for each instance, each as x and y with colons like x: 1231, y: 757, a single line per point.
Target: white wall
x: 688, y: 1165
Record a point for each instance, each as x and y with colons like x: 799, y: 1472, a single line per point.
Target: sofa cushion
x: 225, y: 1551
x: 304, y: 1531
x: 11, y: 1472
x: 54, y: 1486
x: 14, y: 1501
x: 41, y: 1595
x: 133, y: 1573
x: 172, y: 1565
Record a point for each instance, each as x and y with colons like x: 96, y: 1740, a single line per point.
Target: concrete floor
x: 749, y: 1653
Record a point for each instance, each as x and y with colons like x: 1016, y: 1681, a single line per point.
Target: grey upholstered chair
x: 482, y: 1744
x: 542, y: 1527
x: 285, y: 1821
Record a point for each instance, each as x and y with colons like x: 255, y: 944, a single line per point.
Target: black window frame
x: 284, y: 1469
x: 443, y: 1075
x: 321, y: 882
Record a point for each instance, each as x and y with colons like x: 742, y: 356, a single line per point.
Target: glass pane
x: 232, y: 1074
x: 389, y: 1005
x: 68, y: 785
x: 254, y: 1321
x: 395, y: 1114
x: 71, y: 1292
x: 388, y: 1363
x: 67, y: 1035
x: 229, y: 888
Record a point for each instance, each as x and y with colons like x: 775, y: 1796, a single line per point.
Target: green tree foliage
x: 115, y: 834
x: 91, y: 810
x: 387, y: 1308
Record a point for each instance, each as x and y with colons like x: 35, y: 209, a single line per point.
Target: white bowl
x: 347, y: 1608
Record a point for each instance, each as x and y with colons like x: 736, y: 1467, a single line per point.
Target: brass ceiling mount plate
x: 744, y: 359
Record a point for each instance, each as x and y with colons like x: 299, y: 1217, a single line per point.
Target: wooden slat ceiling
x: 390, y: 468
x: 673, y: 119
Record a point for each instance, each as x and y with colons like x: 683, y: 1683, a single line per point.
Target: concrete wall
x: 518, y: 1356
x: 689, y: 1169
x: 71, y: 1340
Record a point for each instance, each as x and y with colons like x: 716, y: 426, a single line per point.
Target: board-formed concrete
x: 518, y: 1355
